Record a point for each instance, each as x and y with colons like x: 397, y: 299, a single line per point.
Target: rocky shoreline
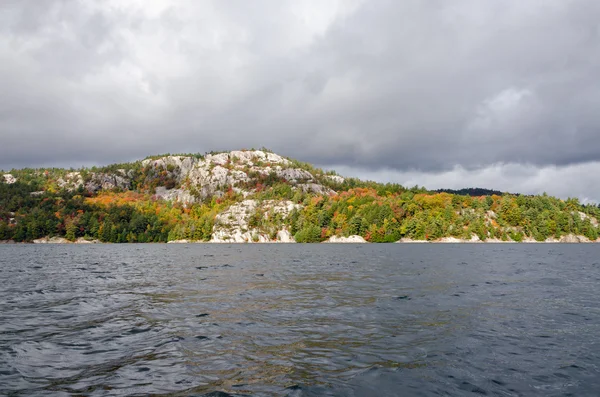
x: 288, y: 239
x: 53, y: 240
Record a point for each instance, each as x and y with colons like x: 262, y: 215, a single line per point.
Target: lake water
x: 300, y: 320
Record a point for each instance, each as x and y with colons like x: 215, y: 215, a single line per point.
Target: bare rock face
x: 294, y: 175
x: 175, y: 195
x: 71, y: 181
x: 254, y: 157
x: 97, y: 181
x: 571, y: 238
x: 191, y: 179
x: 490, y: 217
x: 237, y: 215
x: 52, y: 240
x: 234, y: 224
x: 81, y: 240
x: 104, y: 181
x: 451, y: 240
x: 214, y: 180
x: 474, y: 239
x: 62, y: 240
x: 315, y: 188
x: 350, y: 239
x: 285, y: 236
x: 584, y: 216
x: 181, y: 164
x: 499, y: 241
x: 9, y: 179
x: 238, y: 170
x: 217, y: 172
x: 335, y: 178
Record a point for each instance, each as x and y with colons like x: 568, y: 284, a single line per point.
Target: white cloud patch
x: 578, y: 180
x: 497, y: 112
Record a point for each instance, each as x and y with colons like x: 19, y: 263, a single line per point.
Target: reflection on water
x: 300, y: 320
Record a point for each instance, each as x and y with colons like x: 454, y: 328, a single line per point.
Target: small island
x: 248, y: 196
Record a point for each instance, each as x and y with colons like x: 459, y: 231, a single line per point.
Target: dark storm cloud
x: 411, y: 85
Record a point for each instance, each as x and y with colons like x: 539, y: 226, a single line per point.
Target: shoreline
x: 445, y: 240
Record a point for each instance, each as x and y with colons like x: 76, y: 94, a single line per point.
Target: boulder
x: 285, y: 236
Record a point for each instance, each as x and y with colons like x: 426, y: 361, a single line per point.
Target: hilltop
x: 260, y: 196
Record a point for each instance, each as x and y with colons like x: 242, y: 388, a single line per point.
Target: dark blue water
x: 300, y: 320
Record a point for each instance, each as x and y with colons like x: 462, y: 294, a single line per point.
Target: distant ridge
x: 472, y: 191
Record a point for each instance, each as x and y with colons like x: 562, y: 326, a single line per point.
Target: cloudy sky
x: 502, y: 94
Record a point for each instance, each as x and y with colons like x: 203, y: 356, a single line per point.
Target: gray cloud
x: 513, y: 178
x: 374, y: 85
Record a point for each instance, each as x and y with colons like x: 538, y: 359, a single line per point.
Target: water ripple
x: 299, y: 320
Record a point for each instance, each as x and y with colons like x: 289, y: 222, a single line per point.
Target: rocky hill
x: 260, y: 196
x: 187, y: 178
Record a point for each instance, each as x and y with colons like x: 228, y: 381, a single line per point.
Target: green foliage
x: 378, y: 212
x: 309, y: 234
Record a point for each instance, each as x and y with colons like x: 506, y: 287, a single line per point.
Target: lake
x: 300, y: 320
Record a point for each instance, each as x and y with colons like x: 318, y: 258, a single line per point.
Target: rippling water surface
x: 300, y: 320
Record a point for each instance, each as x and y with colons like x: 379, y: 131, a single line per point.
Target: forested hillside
x: 256, y: 195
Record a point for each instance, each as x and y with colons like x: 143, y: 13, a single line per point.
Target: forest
x: 35, y: 206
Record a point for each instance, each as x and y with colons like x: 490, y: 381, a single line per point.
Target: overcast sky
x: 503, y: 94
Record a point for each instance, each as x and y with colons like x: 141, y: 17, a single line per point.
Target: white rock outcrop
x: 474, y: 239
x: 103, y: 181
x: 294, y: 175
x: 51, y: 240
x: 583, y: 216
x: 498, y: 241
x: 175, y: 195
x: 233, y: 224
x: 350, y: 239
x: 97, y: 181
x: 214, y: 174
x: 410, y: 240
x: 285, y: 236
x: 182, y: 164
x: 571, y: 238
x: 71, y: 181
x: 8, y: 178
x: 335, y: 178
x: 81, y: 240
x: 450, y: 240
x: 316, y: 188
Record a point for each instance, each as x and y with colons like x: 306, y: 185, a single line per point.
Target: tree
x: 309, y: 234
